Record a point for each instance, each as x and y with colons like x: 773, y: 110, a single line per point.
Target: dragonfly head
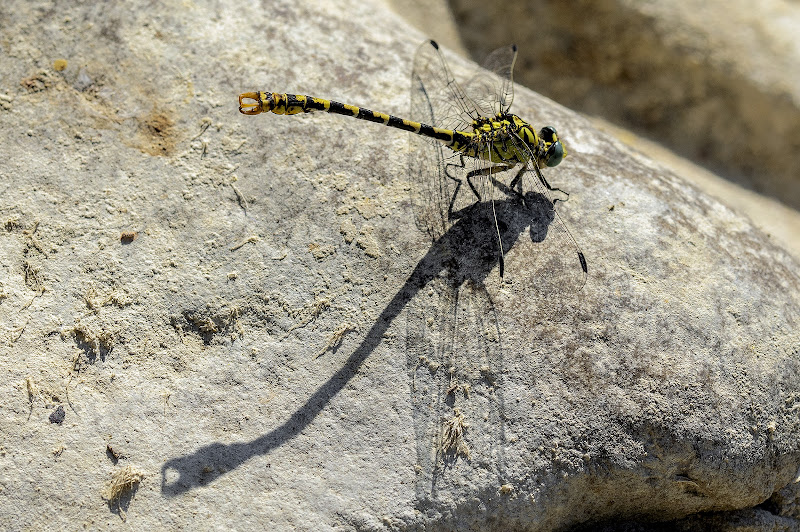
x: 551, y: 151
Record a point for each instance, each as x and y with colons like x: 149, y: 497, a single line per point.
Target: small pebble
x: 58, y: 415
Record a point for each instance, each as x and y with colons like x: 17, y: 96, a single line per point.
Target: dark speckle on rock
x: 58, y: 415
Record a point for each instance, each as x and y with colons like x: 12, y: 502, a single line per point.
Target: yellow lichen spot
x: 59, y: 64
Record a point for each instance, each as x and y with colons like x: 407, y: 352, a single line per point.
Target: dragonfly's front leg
x: 544, y: 182
x: 516, y: 182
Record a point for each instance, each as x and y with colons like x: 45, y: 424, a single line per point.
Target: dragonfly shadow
x: 467, y: 251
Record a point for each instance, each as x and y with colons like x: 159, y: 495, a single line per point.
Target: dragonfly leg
x: 463, y: 165
x: 516, y: 180
x: 547, y: 185
x: 450, y: 214
x: 489, y: 170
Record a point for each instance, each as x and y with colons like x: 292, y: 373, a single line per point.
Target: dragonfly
x: 465, y: 133
x: 469, y: 136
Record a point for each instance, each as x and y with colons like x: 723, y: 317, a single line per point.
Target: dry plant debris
x: 122, y: 481
x: 453, y: 434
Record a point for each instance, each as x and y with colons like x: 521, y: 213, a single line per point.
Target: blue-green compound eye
x: 548, y: 134
x: 554, y: 154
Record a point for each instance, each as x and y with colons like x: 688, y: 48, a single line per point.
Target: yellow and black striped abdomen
x: 253, y: 103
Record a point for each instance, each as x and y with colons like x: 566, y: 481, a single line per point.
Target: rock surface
x: 245, y: 328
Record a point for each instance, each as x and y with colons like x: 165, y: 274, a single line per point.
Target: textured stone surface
x: 232, y: 310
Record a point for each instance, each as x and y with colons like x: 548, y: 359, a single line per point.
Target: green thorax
x: 505, y: 138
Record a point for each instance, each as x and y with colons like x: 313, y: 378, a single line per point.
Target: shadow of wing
x: 455, y: 364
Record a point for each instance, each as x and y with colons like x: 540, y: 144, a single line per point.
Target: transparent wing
x: 436, y: 100
x: 541, y: 259
x: 455, y: 362
x: 548, y: 262
x: 431, y: 189
x: 450, y: 106
x: 492, y: 89
x: 438, y: 175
